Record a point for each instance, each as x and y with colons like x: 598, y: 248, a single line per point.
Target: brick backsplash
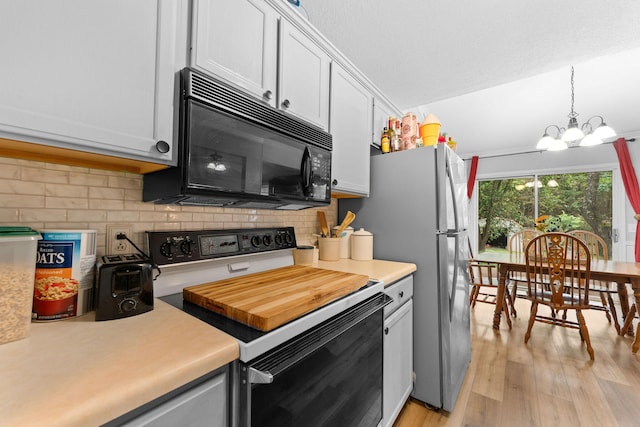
x: 52, y: 196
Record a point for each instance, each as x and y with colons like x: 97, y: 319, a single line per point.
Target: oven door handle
x: 267, y: 367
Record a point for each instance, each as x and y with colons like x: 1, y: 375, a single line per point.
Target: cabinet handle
x: 286, y: 103
x: 162, y: 147
x: 401, y: 294
x: 386, y: 331
x: 334, y: 182
x: 267, y: 95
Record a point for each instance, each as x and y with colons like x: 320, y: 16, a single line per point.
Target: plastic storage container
x: 17, y: 268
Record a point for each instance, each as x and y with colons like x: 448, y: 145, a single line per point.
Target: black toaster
x: 124, y: 286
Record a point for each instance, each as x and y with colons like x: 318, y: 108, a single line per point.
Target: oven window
x: 230, y: 154
x: 340, y: 384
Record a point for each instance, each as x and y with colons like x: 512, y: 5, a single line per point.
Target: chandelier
x: 584, y: 136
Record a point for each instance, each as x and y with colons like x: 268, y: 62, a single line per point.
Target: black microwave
x: 235, y: 151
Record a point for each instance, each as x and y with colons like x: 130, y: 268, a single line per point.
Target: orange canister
x: 430, y: 130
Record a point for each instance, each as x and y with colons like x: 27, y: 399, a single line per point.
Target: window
x: 553, y: 202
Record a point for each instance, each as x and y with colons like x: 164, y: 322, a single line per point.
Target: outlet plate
x: 115, y: 246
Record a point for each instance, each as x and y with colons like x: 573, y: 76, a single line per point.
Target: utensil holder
x: 329, y: 248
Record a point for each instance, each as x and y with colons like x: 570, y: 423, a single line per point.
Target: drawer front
x: 401, y: 292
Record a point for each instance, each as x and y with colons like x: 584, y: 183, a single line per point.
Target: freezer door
x: 452, y: 190
x: 454, y: 314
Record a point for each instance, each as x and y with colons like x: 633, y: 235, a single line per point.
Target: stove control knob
x: 128, y: 305
x: 166, y: 249
x: 266, y: 240
x: 187, y: 246
x: 255, y: 241
x: 279, y: 239
x: 288, y: 238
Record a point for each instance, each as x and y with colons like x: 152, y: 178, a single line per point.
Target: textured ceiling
x: 504, y: 64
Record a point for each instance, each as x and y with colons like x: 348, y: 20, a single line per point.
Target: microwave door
x: 223, y: 153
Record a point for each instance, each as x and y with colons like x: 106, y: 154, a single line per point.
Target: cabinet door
x: 92, y: 76
x: 237, y: 40
x: 351, y: 115
x: 205, y: 404
x: 397, y: 379
x: 381, y: 113
x: 304, y: 76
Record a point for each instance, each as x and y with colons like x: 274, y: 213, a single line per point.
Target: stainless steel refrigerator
x: 417, y: 212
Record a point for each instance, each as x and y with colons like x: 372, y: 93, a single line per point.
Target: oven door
x: 330, y: 375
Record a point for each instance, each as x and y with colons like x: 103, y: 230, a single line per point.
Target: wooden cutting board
x: 272, y: 298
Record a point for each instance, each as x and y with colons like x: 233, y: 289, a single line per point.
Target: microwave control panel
x: 171, y: 247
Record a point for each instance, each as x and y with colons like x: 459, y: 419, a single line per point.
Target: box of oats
x: 65, y: 274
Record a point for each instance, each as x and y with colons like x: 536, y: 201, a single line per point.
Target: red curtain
x: 630, y: 185
x: 472, y: 176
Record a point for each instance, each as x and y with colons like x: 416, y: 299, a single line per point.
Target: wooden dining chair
x: 484, y: 286
x: 558, y: 276
x: 517, y: 244
x: 598, y: 248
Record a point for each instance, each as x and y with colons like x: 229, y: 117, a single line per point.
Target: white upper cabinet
x: 351, y: 123
x: 239, y: 41
x: 89, y: 75
x: 304, y: 76
x: 381, y: 113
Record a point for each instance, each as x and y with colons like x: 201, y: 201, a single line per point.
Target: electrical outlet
x: 117, y: 246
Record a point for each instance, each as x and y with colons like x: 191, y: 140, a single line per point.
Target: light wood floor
x: 548, y: 382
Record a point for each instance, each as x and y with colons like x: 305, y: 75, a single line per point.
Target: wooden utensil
x: 348, y: 219
x: 323, y: 224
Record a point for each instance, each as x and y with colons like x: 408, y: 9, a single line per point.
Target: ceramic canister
x: 345, y: 241
x: 362, y: 245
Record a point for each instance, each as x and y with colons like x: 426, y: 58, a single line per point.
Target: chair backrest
x: 595, y: 243
x: 483, y: 273
x: 558, y: 270
x: 520, y: 239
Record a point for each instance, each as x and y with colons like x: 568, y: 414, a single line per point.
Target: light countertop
x: 80, y: 372
x: 386, y: 271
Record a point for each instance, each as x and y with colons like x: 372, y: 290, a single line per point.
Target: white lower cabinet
x: 397, y: 381
x: 203, y: 403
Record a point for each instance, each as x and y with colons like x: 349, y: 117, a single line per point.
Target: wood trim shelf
x: 66, y: 156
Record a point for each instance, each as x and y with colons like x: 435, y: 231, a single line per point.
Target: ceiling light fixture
x: 216, y: 163
x: 584, y: 136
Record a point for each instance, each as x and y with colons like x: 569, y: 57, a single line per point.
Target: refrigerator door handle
x: 452, y: 190
x: 453, y: 292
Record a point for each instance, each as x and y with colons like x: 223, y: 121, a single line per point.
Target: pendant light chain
x: 573, y: 114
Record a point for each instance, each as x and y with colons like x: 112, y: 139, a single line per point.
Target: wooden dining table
x: 618, y: 272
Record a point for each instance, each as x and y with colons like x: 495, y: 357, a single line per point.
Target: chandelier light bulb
x: 558, y: 145
x: 573, y: 132
x: 603, y: 131
x: 545, y: 142
x: 590, y: 140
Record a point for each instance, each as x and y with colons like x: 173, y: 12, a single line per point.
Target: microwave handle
x: 306, y: 172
